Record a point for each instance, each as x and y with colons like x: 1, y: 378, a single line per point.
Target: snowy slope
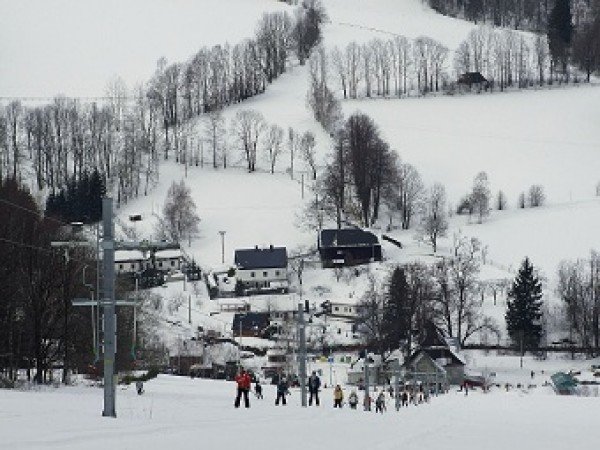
x: 76, y: 47
x: 183, y: 413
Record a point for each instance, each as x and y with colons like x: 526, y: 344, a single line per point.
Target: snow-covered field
x: 184, y: 413
x: 76, y: 47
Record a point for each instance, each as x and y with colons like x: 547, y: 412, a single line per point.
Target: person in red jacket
x: 243, y: 387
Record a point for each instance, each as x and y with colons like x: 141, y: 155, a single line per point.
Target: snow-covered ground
x: 76, y: 47
x: 184, y: 413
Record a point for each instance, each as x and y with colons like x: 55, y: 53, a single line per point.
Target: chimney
x: 271, y: 247
x: 256, y: 247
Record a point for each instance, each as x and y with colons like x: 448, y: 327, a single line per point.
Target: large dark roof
x: 257, y: 258
x: 251, y: 321
x: 347, y: 237
x: 471, y: 78
x: 432, y: 336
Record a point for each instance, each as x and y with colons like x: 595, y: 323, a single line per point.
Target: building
x: 472, y: 80
x: 130, y: 261
x: 250, y: 324
x: 168, y: 260
x: 421, y: 368
x: 435, y: 345
x: 262, y: 270
x: 347, y: 247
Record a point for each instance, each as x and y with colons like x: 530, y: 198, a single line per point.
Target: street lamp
x: 222, y: 233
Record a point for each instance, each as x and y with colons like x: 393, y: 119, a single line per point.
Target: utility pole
x: 368, y: 402
x: 302, y: 353
x: 110, y: 319
x: 222, y: 233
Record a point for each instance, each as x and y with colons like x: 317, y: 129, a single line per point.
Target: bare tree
x: 274, y: 145
x: 214, y: 131
x: 247, y: 127
x: 501, y: 202
x: 410, y: 191
x: 179, y: 219
x: 536, y: 196
x: 480, y: 196
x: 307, y: 149
x: 434, y: 220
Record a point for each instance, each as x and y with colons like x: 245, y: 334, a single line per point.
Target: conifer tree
x: 560, y: 31
x: 396, y: 323
x: 523, y: 312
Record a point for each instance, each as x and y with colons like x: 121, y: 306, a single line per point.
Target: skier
x: 314, y: 383
x: 380, y: 403
x: 338, y: 396
x: 404, y: 398
x: 353, y: 399
x: 243, y: 387
x: 367, y: 402
x: 282, y: 391
x: 258, y: 390
x: 139, y: 386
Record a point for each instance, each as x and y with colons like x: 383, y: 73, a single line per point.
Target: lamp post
x: 222, y: 233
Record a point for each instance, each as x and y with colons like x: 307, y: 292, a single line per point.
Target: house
x: 470, y: 80
x: 137, y: 261
x: 435, y: 345
x: 130, y: 261
x: 261, y: 270
x: 347, y: 310
x: 250, y: 324
x: 347, y: 247
x: 168, y: 260
x: 421, y: 368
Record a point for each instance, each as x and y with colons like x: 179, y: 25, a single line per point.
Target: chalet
x: 250, y: 324
x: 261, y: 270
x: 472, y: 80
x: 347, y: 247
x: 434, y: 344
x: 421, y: 368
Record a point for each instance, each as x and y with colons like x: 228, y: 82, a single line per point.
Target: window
x: 337, y: 308
x: 277, y: 273
x: 160, y: 264
x: 265, y: 274
x: 132, y: 266
x: 345, y: 309
x: 172, y: 263
x: 252, y: 274
x: 120, y: 266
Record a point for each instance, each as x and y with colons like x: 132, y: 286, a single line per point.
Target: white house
x: 168, y: 260
x: 130, y: 261
x: 262, y: 269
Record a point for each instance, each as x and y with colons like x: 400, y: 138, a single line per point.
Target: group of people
x: 405, y: 397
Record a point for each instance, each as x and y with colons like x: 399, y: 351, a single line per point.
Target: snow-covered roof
x: 128, y: 255
x: 168, y: 254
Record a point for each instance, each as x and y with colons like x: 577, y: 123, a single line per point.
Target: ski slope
x: 184, y: 413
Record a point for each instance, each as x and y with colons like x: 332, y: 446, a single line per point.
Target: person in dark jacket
x: 258, y: 390
x: 243, y: 382
x: 282, y: 391
x: 314, y: 383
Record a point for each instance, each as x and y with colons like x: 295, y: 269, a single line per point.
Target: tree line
x: 41, y: 332
x: 572, y: 27
x: 125, y: 136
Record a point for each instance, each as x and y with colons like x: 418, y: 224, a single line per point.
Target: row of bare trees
x: 125, y: 136
x: 579, y: 289
x: 395, y: 67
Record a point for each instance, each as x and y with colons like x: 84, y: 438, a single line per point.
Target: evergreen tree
x: 523, y: 312
x: 560, y: 31
x: 396, y: 320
